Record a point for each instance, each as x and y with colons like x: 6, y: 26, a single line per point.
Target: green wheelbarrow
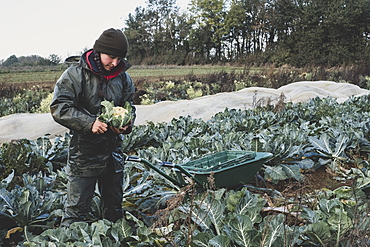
x: 229, y: 169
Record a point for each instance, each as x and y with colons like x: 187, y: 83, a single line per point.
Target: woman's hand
x: 122, y: 130
x: 99, y: 127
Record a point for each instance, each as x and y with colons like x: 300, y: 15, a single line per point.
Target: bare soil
x: 319, y: 179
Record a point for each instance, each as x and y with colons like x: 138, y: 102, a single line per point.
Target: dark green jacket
x: 76, y: 105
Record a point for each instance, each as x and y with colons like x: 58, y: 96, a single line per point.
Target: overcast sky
x: 63, y: 27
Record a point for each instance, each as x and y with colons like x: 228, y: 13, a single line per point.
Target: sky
x: 63, y: 27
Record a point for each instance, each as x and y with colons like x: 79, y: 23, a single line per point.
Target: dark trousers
x: 80, y: 192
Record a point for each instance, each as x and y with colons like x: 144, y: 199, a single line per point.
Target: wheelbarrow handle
x: 173, y: 165
x: 150, y: 165
x: 166, y: 164
x: 133, y: 158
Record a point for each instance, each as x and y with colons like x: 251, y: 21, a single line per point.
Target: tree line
x: 249, y: 32
x: 295, y: 32
x: 32, y: 60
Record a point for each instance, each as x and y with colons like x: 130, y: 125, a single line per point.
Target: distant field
x: 30, y: 77
x: 179, y: 70
x: 135, y: 72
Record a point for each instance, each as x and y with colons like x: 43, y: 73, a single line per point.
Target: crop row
x: 303, y: 137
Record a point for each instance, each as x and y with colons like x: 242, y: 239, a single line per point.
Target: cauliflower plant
x: 115, y: 116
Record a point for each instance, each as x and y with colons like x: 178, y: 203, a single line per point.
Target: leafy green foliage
x: 21, y: 156
x: 99, y: 233
x: 328, y: 223
x: 301, y: 136
x: 35, y: 206
x: 25, y: 101
x: 220, y: 217
x: 31, y: 157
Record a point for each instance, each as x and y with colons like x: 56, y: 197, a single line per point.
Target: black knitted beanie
x: 113, y: 42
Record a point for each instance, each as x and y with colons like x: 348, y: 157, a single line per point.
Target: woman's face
x: 109, y: 61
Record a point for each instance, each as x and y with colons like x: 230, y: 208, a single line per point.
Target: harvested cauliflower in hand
x: 115, y: 116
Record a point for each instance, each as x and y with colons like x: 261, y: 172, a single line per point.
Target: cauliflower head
x: 116, y: 116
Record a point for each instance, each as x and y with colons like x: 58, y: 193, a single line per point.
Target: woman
x: 100, y: 75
